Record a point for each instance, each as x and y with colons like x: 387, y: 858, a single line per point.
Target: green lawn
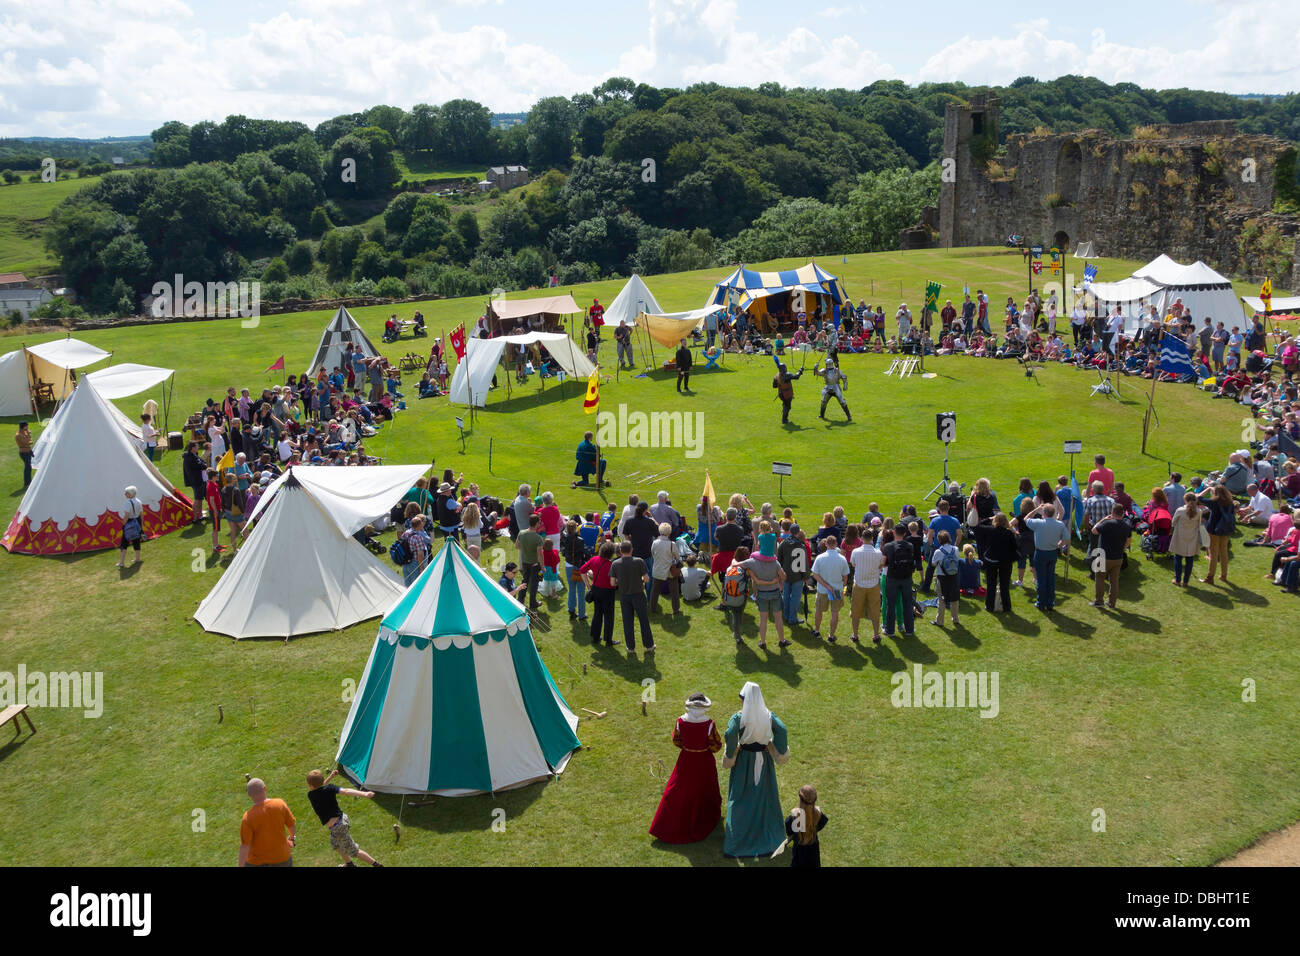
x: 23, y: 209
x: 418, y: 167
x: 1137, y: 713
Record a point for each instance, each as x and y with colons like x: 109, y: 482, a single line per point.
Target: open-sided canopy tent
x: 501, y: 314
x: 350, y: 497
x: 50, y: 363
x: 454, y: 699
x: 298, y: 573
x: 1161, y: 282
x: 765, y: 295
x: 1278, y: 305
x: 473, y: 375
x: 341, y: 330
x: 1130, y: 294
x: 75, y: 500
x: 116, y: 381
x: 633, y: 299
x: 669, y: 328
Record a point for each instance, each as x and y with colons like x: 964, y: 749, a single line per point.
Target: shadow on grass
x: 1068, y: 624
x: 1133, y: 621
x: 707, y: 852
x: 11, y: 745
x: 776, y: 661
x: 962, y: 637
x: 913, y: 648
x: 1013, y: 622
x: 458, y: 814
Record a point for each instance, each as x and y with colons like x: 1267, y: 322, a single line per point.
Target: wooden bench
x: 13, y: 712
x: 410, y: 362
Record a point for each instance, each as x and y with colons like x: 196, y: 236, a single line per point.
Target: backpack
x: 735, y: 587
x: 902, y: 559
x: 945, y: 556
x: 400, y: 551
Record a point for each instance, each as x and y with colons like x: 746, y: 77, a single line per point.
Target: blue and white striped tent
x: 744, y: 286
x: 455, y: 699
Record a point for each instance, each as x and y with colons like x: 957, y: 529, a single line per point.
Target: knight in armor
x: 784, y: 388
x: 834, y: 380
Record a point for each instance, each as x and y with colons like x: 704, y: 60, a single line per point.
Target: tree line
x: 627, y: 178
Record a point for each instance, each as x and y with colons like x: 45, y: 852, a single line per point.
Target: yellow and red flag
x: 1266, y: 292
x: 591, y: 403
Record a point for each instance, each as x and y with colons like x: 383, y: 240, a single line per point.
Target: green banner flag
x: 932, y: 295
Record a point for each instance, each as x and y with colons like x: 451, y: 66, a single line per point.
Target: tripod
x: 939, y: 489
x: 1105, y: 386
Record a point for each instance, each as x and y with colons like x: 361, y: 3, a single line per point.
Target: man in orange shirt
x: 262, y: 840
x: 1102, y: 473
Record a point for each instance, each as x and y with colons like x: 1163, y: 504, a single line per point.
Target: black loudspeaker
x: 945, y: 427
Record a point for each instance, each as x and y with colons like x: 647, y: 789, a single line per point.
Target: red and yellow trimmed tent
x: 75, y: 502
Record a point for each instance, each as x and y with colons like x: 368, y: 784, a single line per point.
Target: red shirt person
x: 597, y: 313
x: 1102, y: 473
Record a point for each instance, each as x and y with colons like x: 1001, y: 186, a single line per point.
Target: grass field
x: 1137, y: 713
x: 23, y: 209
x: 417, y: 168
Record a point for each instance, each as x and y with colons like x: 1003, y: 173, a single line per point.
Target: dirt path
x: 1280, y: 848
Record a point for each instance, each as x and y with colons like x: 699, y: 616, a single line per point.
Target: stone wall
x: 1185, y: 190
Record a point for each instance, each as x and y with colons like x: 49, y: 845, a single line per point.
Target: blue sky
x: 117, y: 67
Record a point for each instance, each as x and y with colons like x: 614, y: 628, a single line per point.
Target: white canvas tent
x: 342, y: 329
x: 1206, y: 293
x: 50, y: 363
x: 474, y: 373
x: 1161, y: 269
x: 75, y: 501
x: 1131, y: 295
x: 298, y: 573
x: 116, y: 381
x: 631, y: 301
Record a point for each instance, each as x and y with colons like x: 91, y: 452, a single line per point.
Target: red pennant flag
x: 458, y: 341
x: 278, y: 366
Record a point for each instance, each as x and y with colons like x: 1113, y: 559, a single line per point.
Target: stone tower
x: 962, y: 127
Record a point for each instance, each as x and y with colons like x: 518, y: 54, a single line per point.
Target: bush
x: 391, y: 287
x: 276, y: 271
x: 363, y: 287
x: 273, y: 291
x: 10, y: 177
x: 575, y: 273
x: 319, y: 223
x: 299, y: 258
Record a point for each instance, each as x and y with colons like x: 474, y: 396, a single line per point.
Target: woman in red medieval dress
x: 691, y: 806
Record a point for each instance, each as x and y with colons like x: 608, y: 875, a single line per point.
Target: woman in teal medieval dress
x: 756, y: 742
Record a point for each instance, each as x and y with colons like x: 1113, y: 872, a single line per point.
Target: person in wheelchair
x: 391, y: 333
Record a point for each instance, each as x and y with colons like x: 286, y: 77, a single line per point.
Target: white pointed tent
x: 116, y: 381
x: 75, y: 502
x: 50, y: 363
x: 633, y: 299
x: 342, y: 329
x: 297, y: 573
x: 454, y: 699
x: 1161, y: 282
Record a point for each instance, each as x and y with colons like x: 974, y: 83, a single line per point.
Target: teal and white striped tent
x: 455, y: 699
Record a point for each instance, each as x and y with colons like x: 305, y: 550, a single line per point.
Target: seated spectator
x: 1258, y: 510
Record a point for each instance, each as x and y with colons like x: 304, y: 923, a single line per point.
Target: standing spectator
x: 1220, y: 524
x: 947, y: 559
x: 641, y: 530
x: 132, y: 526
x: 1103, y: 474
x: 623, y: 344
x: 1096, y: 507
x: 1174, y: 490
x: 630, y: 576
x: 417, y: 544
x: 1001, y: 549
x: 521, y: 508
x: 943, y: 521
x: 793, y: 556
x: 767, y: 577
x: 1112, y: 534
x: 150, y: 436
x: 830, y: 571
x: 232, y: 506
x: 900, y: 562
x: 552, y: 518
x: 1219, y: 342
x: 192, y: 473
x: 575, y: 553
x: 663, y: 512
x: 666, y: 573
x: 529, y: 544
x: 1185, y: 539
x: 324, y: 799
x: 1051, y: 538
x: 25, y: 442
x: 595, y: 575
x: 472, y: 524
x: 212, y: 495
x: 866, y: 561
x: 267, y: 831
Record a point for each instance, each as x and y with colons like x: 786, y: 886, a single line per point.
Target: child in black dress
x: 802, y: 826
